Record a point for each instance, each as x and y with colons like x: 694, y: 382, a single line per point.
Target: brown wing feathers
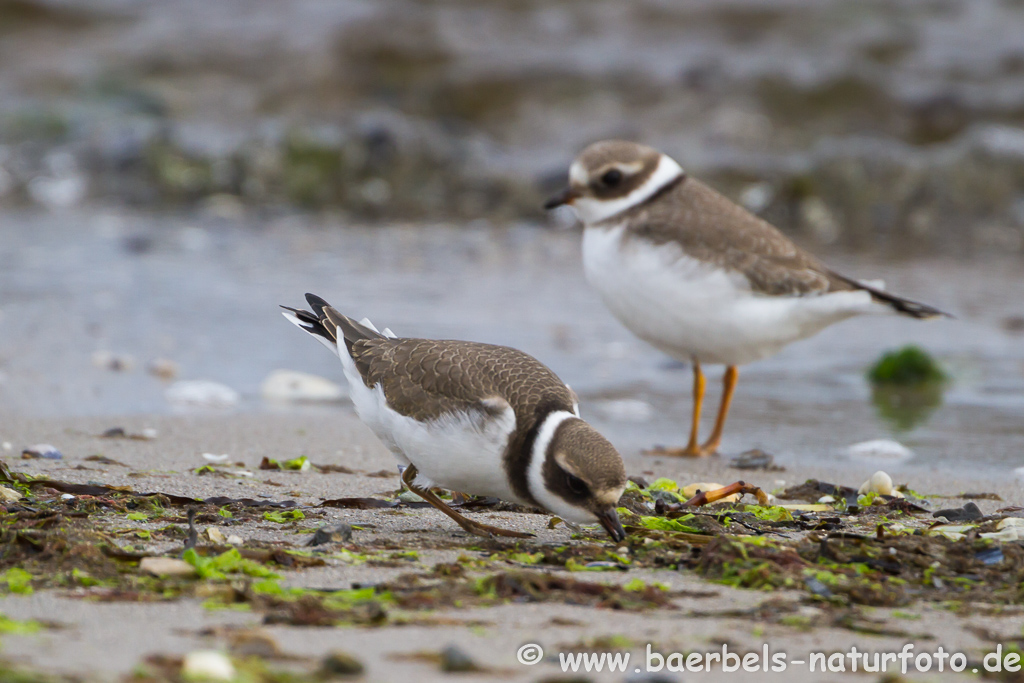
x: 425, y: 378
x: 770, y: 261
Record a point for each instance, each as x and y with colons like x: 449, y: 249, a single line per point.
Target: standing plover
x: 477, y: 418
x: 696, y: 275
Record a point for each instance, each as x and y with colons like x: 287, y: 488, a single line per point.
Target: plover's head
x: 611, y: 176
x: 576, y: 473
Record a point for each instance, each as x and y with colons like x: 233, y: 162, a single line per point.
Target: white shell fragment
x: 215, y: 535
x: 201, y: 393
x: 213, y: 457
x: 42, y: 450
x: 9, y: 495
x: 954, y: 532
x: 289, y: 385
x: 880, y: 482
x: 879, y: 449
x: 409, y: 497
x: 207, y: 665
x: 1007, y: 531
x: 166, y: 566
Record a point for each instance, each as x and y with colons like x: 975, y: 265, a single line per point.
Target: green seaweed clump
x: 909, y: 366
x: 907, y: 387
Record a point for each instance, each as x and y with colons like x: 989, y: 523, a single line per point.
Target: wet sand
x: 108, y: 640
x: 204, y: 294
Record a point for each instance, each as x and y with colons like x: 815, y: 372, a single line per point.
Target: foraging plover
x: 699, y: 277
x: 482, y: 419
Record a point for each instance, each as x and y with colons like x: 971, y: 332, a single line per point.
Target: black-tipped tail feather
x: 905, y: 306
x: 325, y: 320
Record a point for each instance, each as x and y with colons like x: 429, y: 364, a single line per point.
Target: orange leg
x: 693, y: 448
x: 732, y: 375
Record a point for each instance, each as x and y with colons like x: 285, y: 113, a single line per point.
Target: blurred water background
x: 172, y: 170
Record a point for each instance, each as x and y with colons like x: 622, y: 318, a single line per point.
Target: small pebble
x: 42, y: 450
x: 201, y: 393
x: 7, y: 445
x: 339, y: 533
x: 163, y: 368
x: 66, y: 496
x: 339, y: 663
x: 817, y: 587
x: 214, y: 535
x: 9, y: 495
x: 754, y: 459
x: 880, y: 449
x: 990, y: 555
x: 455, y: 660
x: 207, y: 665
x: 409, y: 497
x: 114, y: 362
x: 968, y: 512
x: 166, y: 566
x: 289, y: 385
x: 254, y: 643
x: 234, y: 539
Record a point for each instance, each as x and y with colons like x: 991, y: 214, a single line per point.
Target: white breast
x: 459, y: 452
x: 690, y: 309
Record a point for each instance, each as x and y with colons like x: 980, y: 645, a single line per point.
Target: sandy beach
x: 186, y: 493
x: 104, y: 640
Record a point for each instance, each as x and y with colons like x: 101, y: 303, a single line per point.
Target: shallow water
x: 203, y: 292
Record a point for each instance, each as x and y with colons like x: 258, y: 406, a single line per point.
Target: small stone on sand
x: 201, y: 393
x: 42, y: 450
x: 166, y: 566
x: 879, y: 449
x: 289, y: 385
x: 9, y: 495
x: 207, y: 665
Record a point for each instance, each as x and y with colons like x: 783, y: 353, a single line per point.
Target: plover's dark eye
x: 576, y: 485
x: 612, y: 178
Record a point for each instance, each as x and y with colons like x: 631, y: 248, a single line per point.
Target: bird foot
x: 686, y: 452
x: 487, y: 531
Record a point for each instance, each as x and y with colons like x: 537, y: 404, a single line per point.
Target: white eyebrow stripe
x: 592, y: 210
x: 577, y: 174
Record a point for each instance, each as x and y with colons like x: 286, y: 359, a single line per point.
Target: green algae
x: 230, y: 562
x: 17, y: 580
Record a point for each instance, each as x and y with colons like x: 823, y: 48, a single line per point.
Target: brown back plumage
x: 712, y: 228
x: 426, y: 378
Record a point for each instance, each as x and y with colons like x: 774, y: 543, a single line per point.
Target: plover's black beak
x: 609, y: 519
x: 566, y: 196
